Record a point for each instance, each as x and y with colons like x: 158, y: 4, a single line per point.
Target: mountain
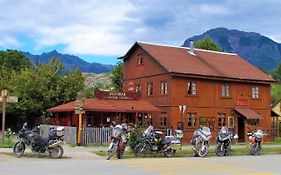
x: 70, y: 61
x: 259, y: 50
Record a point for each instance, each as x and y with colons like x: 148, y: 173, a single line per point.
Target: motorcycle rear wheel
x: 120, y: 154
x: 140, y: 150
x: 18, y: 149
x: 56, y: 152
x: 220, y: 150
x: 169, y: 153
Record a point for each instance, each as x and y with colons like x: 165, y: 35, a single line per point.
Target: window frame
x: 138, y: 88
x: 255, y: 92
x: 193, y: 117
x: 222, y: 116
x: 163, y: 119
x: 149, y: 88
x: 163, y: 88
x: 191, y: 88
x: 225, y: 90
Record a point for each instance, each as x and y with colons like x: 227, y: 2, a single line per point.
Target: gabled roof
x: 106, y: 105
x: 205, y: 63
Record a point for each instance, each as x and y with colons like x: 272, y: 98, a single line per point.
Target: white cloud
x: 105, y: 27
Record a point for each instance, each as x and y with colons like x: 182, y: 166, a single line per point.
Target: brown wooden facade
x: 210, y: 100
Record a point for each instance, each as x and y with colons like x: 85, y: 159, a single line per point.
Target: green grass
x: 275, y: 142
x: 188, y: 152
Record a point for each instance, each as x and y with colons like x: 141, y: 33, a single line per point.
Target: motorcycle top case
x: 60, y: 131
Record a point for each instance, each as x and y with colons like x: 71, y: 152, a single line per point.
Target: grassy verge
x: 276, y: 142
x: 7, y: 145
x: 188, y: 152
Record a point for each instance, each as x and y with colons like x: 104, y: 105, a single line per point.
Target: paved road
x: 82, y: 161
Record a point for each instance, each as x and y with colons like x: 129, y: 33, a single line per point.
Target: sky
x: 102, y: 30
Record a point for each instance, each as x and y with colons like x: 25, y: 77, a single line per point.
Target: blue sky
x: 102, y: 30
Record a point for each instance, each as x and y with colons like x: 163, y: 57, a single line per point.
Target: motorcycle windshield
x: 224, y: 130
x: 148, y: 131
x: 206, y: 131
x: 116, y: 132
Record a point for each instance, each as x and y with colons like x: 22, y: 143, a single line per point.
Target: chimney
x: 191, y: 46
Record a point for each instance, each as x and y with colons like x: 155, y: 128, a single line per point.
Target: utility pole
x: 80, y: 111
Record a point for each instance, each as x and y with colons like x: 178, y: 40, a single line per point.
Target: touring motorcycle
x: 200, y: 141
x: 38, y: 143
x: 256, y: 141
x: 152, y: 141
x: 224, y: 139
x: 118, y: 141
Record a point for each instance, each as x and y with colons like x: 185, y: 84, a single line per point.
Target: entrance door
x: 241, y: 129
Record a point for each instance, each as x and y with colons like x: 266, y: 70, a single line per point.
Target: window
x: 225, y: 90
x: 163, y: 88
x: 230, y: 122
x: 191, y: 88
x: 255, y: 92
x: 221, y: 119
x: 191, y: 119
x: 140, y: 59
x: 203, y: 121
x: 149, y: 88
x: 138, y: 88
x: 163, y: 119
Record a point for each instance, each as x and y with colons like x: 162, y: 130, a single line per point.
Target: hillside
x: 70, y: 61
x: 259, y: 50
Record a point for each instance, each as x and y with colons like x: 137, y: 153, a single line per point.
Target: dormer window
x: 140, y: 59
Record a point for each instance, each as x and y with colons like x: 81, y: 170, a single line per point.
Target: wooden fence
x: 90, y: 135
x: 96, y: 136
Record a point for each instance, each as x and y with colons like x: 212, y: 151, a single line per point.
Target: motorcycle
x: 224, y: 141
x: 38, y: 143
x: 152, y: 141
x: 200, y: 141
x: 256, y: 141
x: 118, y: 141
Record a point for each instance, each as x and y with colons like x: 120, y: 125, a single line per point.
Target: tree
x: 117, y: 77
x: 207, y: 44
x: 42, y: 88
x: 276, y: 74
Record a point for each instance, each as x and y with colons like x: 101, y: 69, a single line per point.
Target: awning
x: 248, y: 113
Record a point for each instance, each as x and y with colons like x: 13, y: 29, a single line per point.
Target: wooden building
x: 214, y: 89
x: 104, y: 109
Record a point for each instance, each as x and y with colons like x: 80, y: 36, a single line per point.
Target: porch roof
x: 108, y: 105
x: 248, y: 113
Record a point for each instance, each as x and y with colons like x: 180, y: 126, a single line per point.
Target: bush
x: 134, y: 138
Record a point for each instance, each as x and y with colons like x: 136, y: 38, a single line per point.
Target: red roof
x: 107, y: 105
x: 180, y: 60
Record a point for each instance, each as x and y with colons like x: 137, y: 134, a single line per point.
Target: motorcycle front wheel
x: 169, y: 153
x: 140, y: 150
x: 56, y: 152
x: 18, y: 149
x: 203, y: 152
x: 220, y: 150
x: 255, y: 149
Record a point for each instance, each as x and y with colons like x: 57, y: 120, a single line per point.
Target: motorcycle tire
x: 140, y: 150
x: 204, y: 152
x: 109, y: 154
x: 56, y: 152
x: 220, y: 150
x: 120, y: 154
x: 169, y: 153
x: 255, y: 149
x: 18, y: 149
